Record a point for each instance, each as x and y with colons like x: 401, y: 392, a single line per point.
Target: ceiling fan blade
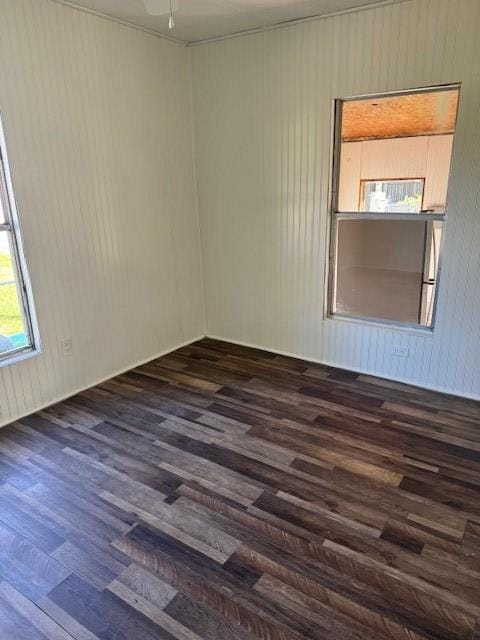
x: 160, y: 7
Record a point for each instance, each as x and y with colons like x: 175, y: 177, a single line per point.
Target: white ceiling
x: 203, y: 19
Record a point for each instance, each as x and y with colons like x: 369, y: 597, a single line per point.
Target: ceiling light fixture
x: 161, y: 8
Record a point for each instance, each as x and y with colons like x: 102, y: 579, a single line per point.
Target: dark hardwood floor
x: 225, y: 493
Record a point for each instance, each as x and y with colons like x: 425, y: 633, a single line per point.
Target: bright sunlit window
x: 391, y: 196
x: 18, y: 333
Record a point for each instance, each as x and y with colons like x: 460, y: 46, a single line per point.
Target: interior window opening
x: 392, y: 165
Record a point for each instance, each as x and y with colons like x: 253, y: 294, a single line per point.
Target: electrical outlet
x: 67, y: 347
x: 400, y: 351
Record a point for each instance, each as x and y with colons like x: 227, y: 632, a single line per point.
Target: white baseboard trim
x: 327, y: 363
x: 98, y: 381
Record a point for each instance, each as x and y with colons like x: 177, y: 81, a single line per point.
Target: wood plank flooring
x: 225, y: 493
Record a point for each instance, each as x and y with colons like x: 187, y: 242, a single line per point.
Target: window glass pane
x: 2, y: 213
x: 393, y: 196
x: 386, y: 269
x: 13, y: 332
x: 395, y: 152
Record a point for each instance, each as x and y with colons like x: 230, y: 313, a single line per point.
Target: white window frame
x: 335, y: 216
x: 22, y: 279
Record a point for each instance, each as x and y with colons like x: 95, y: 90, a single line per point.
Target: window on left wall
x: 18, y: 328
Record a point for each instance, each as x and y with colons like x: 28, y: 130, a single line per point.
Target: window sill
x: 424, y: 332
x: 19, y: 356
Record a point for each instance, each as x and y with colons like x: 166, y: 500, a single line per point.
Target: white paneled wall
x: 263, y: 116
x: 97, y: 120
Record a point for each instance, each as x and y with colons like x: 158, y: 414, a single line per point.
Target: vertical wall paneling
x: 98, y: 124
x: 262, y: 114
x: 97, y: 121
